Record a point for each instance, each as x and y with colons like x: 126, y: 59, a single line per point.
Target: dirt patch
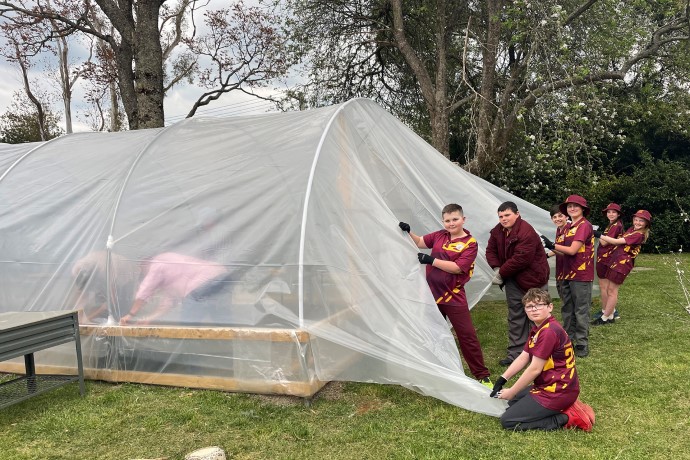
x: 331, y: 391
x: 280, y: 400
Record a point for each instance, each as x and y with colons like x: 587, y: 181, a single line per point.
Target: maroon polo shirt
x: 449, y: 288
x: 580, y: 267
x: 604, y: 252
x: 557, y: 387
x: 623, y: 257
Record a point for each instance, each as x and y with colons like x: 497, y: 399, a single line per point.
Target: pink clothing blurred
x: 174, y: 276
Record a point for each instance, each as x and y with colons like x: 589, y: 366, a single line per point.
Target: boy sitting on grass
x: 545, y: 395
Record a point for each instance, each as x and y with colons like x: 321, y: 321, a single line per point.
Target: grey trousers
x: 525, y: 413
x: 577, y: 301
x: 518, y: 323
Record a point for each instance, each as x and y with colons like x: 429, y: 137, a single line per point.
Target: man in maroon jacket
x: 516, y: 254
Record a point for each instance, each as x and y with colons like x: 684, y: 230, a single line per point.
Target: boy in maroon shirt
x: 545, y: 396
x: 449, y: 268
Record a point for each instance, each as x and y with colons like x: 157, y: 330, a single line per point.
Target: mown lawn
x: 637, y: 378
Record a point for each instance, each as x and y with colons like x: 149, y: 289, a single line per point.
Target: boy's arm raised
x: 418, y: 240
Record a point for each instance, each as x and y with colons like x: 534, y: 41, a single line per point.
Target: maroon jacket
x: 520, y: 256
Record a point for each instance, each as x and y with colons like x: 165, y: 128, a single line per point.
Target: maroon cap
x: 643, y: 214
x: 612, y: 207
x: 577, y: 199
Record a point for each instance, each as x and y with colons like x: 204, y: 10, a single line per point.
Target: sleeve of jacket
x: 492, y: 251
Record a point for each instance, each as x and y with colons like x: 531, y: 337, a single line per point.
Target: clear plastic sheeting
x: 274, y: 245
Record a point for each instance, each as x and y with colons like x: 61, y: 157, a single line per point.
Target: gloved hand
x: 498, y: 386
x: 425, y: 258
x: 498, y: 279
x: 597, y: 233
x: 404, y: 226
x: 548, y: 244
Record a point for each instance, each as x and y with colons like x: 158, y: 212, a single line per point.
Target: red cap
x: 643, y: 214
x: 612, y: 207
x: 577, y: 199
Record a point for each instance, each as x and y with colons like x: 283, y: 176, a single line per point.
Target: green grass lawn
x: 637, y: 378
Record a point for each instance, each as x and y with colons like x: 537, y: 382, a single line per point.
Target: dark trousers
x: 461, y: 320
x: 525, y: 413
x: 559, y: 288
x: 577, y: 300
x: 518, y: 323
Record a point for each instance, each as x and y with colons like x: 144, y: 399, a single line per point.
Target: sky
x: 178, y: 101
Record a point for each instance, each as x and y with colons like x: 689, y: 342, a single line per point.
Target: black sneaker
x: 601, y: 321
x: 507, y: 361
x: 581, y: 351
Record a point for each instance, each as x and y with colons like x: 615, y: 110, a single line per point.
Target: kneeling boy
x: 545, y: 395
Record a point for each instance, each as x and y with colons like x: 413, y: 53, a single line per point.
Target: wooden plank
x: 304, y: 389
x: 198, y: 333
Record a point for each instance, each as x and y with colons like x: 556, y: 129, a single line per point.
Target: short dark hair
x: 555, y: 209
x: 508, y: 205
x: 452, y: 207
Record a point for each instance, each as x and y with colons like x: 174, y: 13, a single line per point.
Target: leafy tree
x: 660, y: 186
x: 20, y: 123
x: 473, y: 71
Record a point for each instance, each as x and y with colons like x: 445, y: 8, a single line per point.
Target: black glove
x: 404, y: 226
x: 597, y: 233
x: 498, y: 386
x: 425, y: 258
x: 548, y: 244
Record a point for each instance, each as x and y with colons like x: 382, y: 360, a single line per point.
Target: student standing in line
x: 614, y: 229
x: 545, y: 396
x: 578, y: 248
x: 560, y: 220
x: 449, y: 268
x: 627, y: 247
x: 519, y: 262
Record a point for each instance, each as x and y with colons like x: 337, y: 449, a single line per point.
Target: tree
x: 486, y: 63
x: 243, y: 49
x: 22, y: 123
x: 136, y: 45
x: 16, y: 53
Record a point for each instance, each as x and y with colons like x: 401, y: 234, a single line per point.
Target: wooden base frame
x: 305, y: 387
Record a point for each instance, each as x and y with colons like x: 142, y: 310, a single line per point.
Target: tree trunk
x: 40, y: 113
x: 124, y: 57
x: 139, y: 59
x: 114, y: 109
x: 487, y: 103
x: 434, y: 91
x: 440, y: 136
x: 65, y: 84
x: 148, y: 65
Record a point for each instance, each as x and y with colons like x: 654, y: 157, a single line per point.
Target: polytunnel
x: 292, y: 216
